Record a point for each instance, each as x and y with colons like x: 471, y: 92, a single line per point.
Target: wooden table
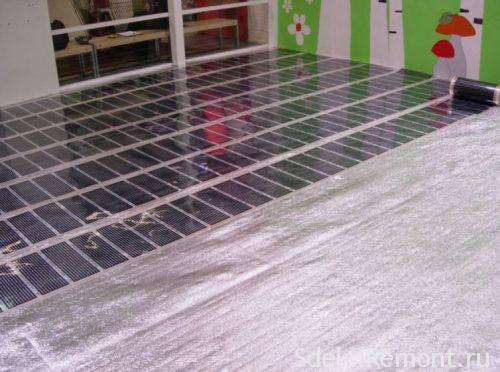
x: 75, y: 49
x: 110, y: 41
x: 114, y: 40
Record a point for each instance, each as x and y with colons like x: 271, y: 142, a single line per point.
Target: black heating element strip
x: 474, y: 90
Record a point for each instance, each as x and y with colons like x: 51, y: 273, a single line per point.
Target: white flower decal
x: 299, y: 28
x: 287, y: 5
x: 309, y: 2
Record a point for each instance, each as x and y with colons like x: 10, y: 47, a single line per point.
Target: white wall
x: 64, y: 11
x: 257, y: 24
x: 335, y: 14
x: 27, y: 65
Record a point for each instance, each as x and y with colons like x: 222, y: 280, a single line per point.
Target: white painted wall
x: 472, y: 45
x: 27, y: 64
x: 64, y: 11
x: 396, y: 35
x: 379, y: 34
x: 338, y: 42
x: 257, y: 24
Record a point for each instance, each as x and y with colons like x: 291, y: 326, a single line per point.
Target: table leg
x: 157, y: 47
x: 95, y: 62
x: 237, y: 36
x: 81, y: 63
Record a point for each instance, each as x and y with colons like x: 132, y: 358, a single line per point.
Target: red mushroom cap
x: 443, y: 49
x: 454, y: 24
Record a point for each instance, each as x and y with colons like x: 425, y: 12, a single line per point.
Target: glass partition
x: 94, y: 38
x: 192, y: 4
x: 85, y: 12
x: 108, y: 36
x: 223, y: 29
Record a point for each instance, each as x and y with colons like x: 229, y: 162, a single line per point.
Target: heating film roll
x: 475, y: 91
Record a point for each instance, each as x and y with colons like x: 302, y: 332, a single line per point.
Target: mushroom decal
x: 445, y: 51
x: 451, y: 56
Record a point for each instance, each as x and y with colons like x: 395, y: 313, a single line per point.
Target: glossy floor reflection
x: 95, y: 178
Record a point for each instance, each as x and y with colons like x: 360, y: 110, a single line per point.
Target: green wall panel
x: 360, y: 30
x: 490, y: 52
x: 286, y: 12
x: 420, y: 18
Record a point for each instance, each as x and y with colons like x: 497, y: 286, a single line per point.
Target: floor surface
x: 207, y: 218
